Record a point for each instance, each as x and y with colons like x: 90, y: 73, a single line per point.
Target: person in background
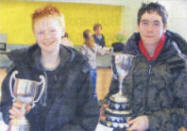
x: 156, y: 85
x: 98, y: 36
x: 91, y: 50
x: 67, y: 104
x: 66, y: 41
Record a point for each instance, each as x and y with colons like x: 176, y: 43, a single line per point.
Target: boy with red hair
x: 67, y: 104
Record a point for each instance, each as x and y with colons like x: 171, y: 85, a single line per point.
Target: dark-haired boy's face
x: 98, y: 30
x: 151, y: 28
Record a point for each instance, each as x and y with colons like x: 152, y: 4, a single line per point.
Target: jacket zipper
x: 147, y: 87
x: 149, y: 69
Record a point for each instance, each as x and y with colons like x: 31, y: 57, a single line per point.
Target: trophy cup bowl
x: 119, y: 110
x: 27, y: 92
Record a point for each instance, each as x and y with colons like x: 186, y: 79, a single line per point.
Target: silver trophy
x: 119, y: 111
x: 27, y: 92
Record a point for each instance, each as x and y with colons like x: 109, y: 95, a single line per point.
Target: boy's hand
x: 16, y: 111
x: 140, y: 123
x: 102, y: 110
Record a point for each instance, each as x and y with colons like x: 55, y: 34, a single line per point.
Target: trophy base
x: 117, y: 113
x: 115, y: 125
x: 116, y: 119
x: 118, y: 102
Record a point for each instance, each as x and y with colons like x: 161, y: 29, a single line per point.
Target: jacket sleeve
x: 176, y: 117
x: 87, y: 109
x: 6, y: 100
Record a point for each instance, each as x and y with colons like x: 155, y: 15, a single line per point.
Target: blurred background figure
x: 91, y: 50
x: 98, y: 36
x: 66, y: 41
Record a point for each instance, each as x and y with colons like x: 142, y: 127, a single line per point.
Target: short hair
x: 66, y: 35
x: 97, y: 26
x: 47, y: 11
x: 86, y: 34
x: 90, y: 44
x: 153, y: 7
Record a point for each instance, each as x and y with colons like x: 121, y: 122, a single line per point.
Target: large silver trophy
x: 27, y: 92
x: 119, y: 111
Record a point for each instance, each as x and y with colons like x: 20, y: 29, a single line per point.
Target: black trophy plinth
x: 117, y: 113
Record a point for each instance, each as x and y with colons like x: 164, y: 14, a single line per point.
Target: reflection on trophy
x: 27, y: 92
x: 118, y: 111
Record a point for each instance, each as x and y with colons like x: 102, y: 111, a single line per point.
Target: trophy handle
x: 12, y: 77
x: 43, y: 83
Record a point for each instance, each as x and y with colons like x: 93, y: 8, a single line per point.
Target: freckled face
x: 48, y: 33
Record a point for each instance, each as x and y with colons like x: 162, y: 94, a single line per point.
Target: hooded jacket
x: 157, y: 88
x: 67, y: 103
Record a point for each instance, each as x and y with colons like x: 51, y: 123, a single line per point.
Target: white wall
x: 129, y: 15
x: 177, y: 10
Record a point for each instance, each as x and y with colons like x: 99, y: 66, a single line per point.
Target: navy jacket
x: 157, y: 88
x: 67, y: 104
x: 101, y: 41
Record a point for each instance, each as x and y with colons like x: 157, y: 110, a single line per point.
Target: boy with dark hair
x: 98, y: 36
x: 156, y: 84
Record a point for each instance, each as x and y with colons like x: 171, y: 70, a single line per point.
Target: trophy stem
x: 20, y: 124
x: 23, y: 109
x: 120, y: 87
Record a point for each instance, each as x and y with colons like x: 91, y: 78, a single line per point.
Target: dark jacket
x: 98, y: 41
x: 67, y: 104
x: 157, y: 88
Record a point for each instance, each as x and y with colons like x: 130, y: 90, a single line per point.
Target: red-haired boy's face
x: 48, y: 33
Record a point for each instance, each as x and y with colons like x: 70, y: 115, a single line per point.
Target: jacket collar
x: 157, y: 50
x: 168, y: 50
x: 30, y: 57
